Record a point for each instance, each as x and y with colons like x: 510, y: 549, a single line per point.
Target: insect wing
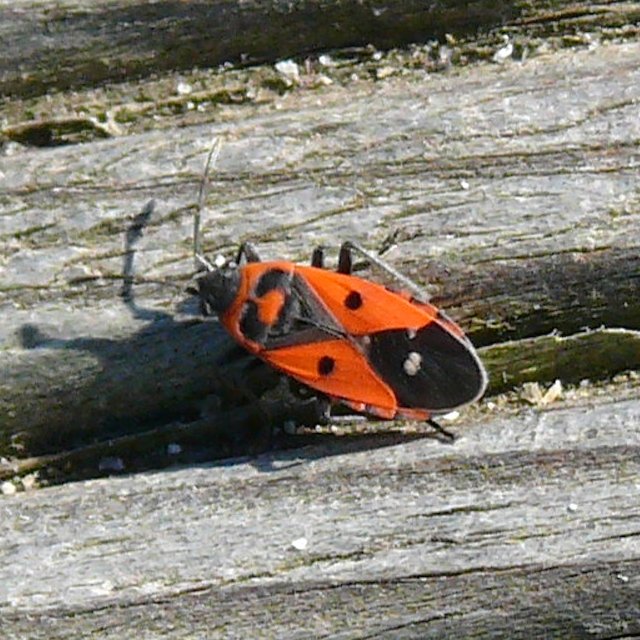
x: 362, y: 307
x: 422, y: 355
x: 336, y: 368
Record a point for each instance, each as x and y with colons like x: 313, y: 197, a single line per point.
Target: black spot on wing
x: 449, y: 374
x: 326, y: 365
x: 353, y: 300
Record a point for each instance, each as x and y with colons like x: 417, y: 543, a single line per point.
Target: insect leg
x: 248, y: 252
x: 450, y: 437
x: 417, y: 291
x: 317, y: 258
x: 315, y: 411
x: 345, y: 260
x: 323, y: 408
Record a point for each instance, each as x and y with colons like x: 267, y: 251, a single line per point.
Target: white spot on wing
x: 411, y: 334
x: 412, y: 364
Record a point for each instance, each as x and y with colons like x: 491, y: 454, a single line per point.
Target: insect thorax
x: 218, y: 289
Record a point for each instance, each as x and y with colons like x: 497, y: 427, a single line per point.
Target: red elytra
x: 376, y: 350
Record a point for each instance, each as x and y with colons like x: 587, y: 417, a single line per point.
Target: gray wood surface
x: 510, y: 190
x: 75, y: 43
x: 529, y: 162
x: 92, y: 42
x: 527, y: 527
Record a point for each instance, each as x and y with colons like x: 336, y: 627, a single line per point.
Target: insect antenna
x: 199, y: 260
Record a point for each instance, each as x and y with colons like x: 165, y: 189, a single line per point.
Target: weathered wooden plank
x: 373, y: 162
x: 397, y: 159
x: 143, y: 38
x: 237, y: 426
x: 528, y: 525
x: 512, y: 189
x: 589, y: 601
x: 65, y: 44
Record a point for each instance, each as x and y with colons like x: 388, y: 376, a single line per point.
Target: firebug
x: 378, y: 351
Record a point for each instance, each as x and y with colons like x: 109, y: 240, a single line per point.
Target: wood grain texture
x: 88, y: 43
x: 520, y: 203
x: 509, y: 190
x: 527, y: 527
x: 94, y: 42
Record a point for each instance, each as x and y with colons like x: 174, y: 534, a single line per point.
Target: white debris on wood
x: 183, y: 88
x: 326, y: 60
x: 300, y: 543
x: 289, y: 70
x: 8, y: 488
x: 533, y: 394
x: 505, y: 52
x: 553, y: 393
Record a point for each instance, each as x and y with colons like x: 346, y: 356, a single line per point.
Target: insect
x: 378, y: 351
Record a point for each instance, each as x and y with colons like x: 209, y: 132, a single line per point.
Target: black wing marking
x: 427, y: 369
x: 303, y: 318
